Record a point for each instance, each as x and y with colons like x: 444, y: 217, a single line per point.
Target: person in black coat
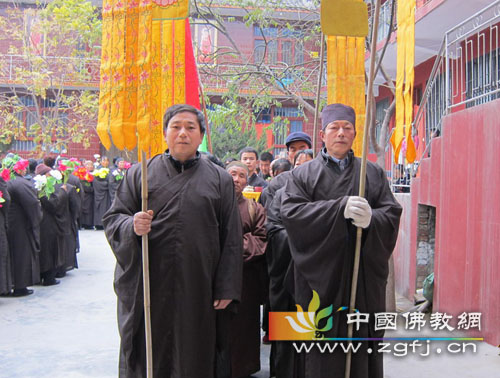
x: 5, y: 265
x: 25, y: 214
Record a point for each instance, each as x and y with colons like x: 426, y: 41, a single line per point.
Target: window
x: 295, y: 118
x: 272, y: 52
x: 299, y: 53
x: 27, y: 117
x: 286, y: 52
x: 283, y: 46
x: 260, y: 49
x: 23, y: 145
x: 263, y: 116
x: 288, y: 112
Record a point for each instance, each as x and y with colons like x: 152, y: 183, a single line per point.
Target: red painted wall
x: 461, y: 179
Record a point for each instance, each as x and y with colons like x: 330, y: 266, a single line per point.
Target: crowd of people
x: 43, y: 204
x: 216, y: 256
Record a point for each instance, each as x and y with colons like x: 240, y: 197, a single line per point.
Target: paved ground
x: 69, y: 330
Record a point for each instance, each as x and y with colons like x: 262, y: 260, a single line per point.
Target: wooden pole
x: 145, y: 271
x: 318, y: 93
x: 362, y: 180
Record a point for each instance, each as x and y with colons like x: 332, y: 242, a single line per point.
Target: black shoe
x: 51, y: 282
x: 22, y: 292
x: 60, y: 274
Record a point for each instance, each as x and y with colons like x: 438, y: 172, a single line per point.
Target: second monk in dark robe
x: 25, y: 214
x: 321, y: 210
x: 245, y: 325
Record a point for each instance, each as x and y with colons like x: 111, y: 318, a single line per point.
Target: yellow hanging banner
x: 404, y: 80
x: 346, y: 79
x: 410, y: 79
x: 105, y: 74
x: 117, y: 98
x: 131, y: 76
x: 143, y: 71
x: 143, y: 62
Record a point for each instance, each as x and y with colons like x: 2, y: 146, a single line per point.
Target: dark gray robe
x: 72, y: 212
x: 102, y: 201
x: 322, y: 244
x: 5, y: 265
x: 25, y: 214
x: 87, y: 212
x: 195, y: 251
x: 114, y: 182
x: 245, y: 325
x: 52, y: 230
x: 278, y: 262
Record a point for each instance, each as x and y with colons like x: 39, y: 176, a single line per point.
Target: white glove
x: 358, y: 209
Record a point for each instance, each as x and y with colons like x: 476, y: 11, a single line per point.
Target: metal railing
x: 466, y: 73
x: 64, y: 70
x: 472, y: 51
x: 384, y: 20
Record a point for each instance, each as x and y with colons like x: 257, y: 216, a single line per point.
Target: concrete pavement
x: 69, y: 330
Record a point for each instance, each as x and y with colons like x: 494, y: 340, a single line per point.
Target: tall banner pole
x: 362, y: 180
x: 145, y: 271
x: 318, y: 93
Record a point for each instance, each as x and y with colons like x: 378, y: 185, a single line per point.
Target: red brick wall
x: 461, y: 180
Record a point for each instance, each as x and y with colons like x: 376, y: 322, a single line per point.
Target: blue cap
x: 298, y: 136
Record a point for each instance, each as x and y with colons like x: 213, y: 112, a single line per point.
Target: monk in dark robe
x: 195, y: 252
x: 321, y: 212
x: 52, y: 228
x: 115, y: 177
x: 71, y: 236
x: 24, y: 218
x: 245, y: 326
x: 5, y: 265
x: 278, y: 261
x: 87, y: 212
x: 102, y: 201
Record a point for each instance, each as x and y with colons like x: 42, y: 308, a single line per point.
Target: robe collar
x: 181, y: 167
x: 336, y: 162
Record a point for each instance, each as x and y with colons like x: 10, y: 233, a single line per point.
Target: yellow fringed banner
x: 404, y: 80
x: 346, y: 79
x: 142, y: 71
x: 105, y: 74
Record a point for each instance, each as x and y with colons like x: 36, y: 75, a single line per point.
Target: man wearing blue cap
x: 295, y: 142
x: 321, y: 211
